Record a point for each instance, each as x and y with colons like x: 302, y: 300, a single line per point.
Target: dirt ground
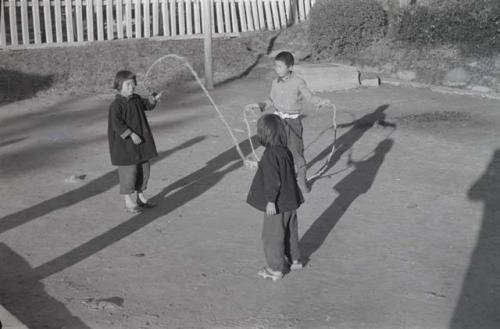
x: 401, y: 231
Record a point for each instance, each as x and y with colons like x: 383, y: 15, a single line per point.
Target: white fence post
x: 260, y: 11
x: 24, y: 22
x: 234, y: 19
x: 3, y: 30
x: 109, y: 20
x: 219, y: 18
x: 269, y: 16
x: 182, y: 17
x: 255, y: 14
x: 147, y: 20
x: 119, y: 19
x: 173, y: 18
x: 156, y: 16
x: 281, y: 7
x: 13, y: 22
x: 276, y: 15
x: 249, y: 18
x: 36, y: 21
x: 58, y: 19
x: 207, y: 25
x: 89, y: 8
x: 197, y: 18
x: 138, y: 18
x: 69, y: 21
x: 189, y: 17
x: 100, y: 21
x: 79, y: 20
x: 241, y: 10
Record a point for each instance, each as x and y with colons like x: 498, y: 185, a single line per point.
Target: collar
x: 286, y: 77
x: 125, y: 99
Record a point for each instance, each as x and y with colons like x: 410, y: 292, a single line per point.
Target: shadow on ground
x: 479, y: 302
x: 15, y: 85
x: 358, y: 182
x: 169, y: 199
x: 346, y: 142
x: 25, y: 297
x: 89, y: 190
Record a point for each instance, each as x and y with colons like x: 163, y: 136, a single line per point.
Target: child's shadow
x: 169, y: 199
x: 479, y: 302
x: 25, y: 297
x: 89, y: 190
x: 349, y: 188
x: 348, y: 139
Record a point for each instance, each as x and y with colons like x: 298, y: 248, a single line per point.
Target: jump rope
x: 249, y: 110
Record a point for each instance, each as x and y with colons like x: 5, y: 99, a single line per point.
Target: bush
x: 344, y: 27
x: 472, y: 25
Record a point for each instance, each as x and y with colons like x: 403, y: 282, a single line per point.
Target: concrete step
x: 326, y: 77
x: 8, y: 321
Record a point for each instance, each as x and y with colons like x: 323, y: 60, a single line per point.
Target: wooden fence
x: 42, y: 23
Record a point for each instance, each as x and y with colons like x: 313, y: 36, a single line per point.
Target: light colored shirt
x: 287, y: 95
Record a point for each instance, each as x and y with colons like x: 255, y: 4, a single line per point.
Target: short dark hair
x: 285, y: 57
x: 271, y: 130
x: 121, y: 77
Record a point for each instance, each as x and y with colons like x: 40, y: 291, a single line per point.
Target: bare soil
x: 400, y: 232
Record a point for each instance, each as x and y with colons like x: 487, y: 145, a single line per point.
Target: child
x: 131, y: 144
x: 274, y: 191
x: 285, y: 99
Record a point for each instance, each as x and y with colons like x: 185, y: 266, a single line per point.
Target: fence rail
x: 38, y: 23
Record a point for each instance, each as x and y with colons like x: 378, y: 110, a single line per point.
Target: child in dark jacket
x: 288, y: 91
x: 131, y: 144
x: 274, y: 191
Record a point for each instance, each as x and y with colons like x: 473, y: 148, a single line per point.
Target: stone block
x: 370, y: 82
x: 326, y: 77
x: 457, y: 77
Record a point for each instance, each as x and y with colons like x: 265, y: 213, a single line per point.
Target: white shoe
x: 267, y: 273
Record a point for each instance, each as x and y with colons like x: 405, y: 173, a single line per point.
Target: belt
x: 285, y: 115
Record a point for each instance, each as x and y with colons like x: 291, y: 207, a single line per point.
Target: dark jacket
x: 126, y: 115
x: 275, y: 181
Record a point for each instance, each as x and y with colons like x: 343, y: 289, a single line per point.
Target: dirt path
x: 400, y: 232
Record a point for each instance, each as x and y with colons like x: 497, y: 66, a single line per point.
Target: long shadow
x: 348, y: 139
x: 269, y: 48
x: 15, y: 85
x: 169, y: 199
x: 479, y: 302
x: 11, y: 141
x: 93, y: 188
x: 56, y: 147
x: 349, y: 188
x: 26, y: 298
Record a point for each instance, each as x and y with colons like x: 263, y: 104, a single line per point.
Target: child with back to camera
x: 288, y: 91
x: 274, y: 191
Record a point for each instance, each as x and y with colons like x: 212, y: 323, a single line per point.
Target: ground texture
x: 400, y: 232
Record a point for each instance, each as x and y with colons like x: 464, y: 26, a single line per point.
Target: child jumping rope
x: 274, y: 191
x: 286, y: 97
x: 131, y: 144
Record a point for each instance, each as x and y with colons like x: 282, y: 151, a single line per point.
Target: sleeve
x: 268, y: 103
x: 308, y: 94
x: 265, y: 105
x: 272, y: 181
x: 147, y: 105
x: 118, y: 124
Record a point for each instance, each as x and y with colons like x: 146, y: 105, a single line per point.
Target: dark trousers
x: 134, y: 178
x: 280, y: 236
x: 295, y: 144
